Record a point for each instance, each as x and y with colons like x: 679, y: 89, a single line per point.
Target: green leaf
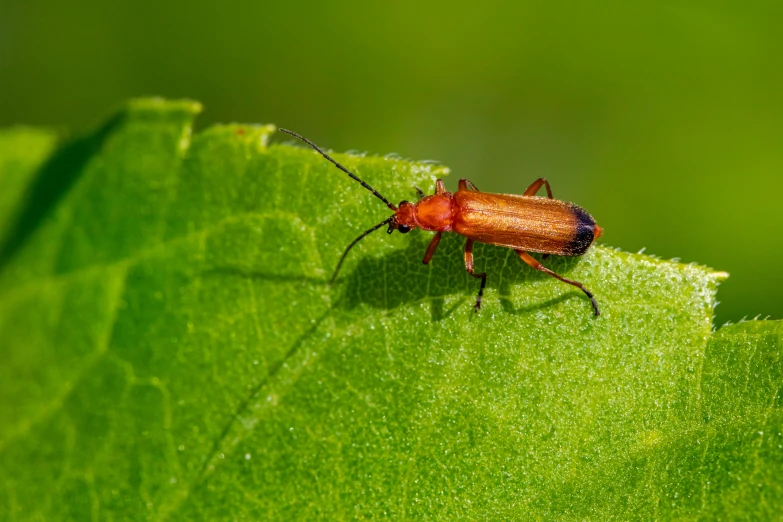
x: 172, y: 350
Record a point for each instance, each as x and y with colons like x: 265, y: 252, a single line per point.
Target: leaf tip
x: 720, y: 276
x: 185, y: 107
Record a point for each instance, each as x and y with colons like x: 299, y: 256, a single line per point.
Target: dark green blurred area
x: 664, y: 120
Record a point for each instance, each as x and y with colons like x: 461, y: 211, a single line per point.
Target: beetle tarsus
x: 469, y: 268
x: 592, y: 300
x: 483, y: 277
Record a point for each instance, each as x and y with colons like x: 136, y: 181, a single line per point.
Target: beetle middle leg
x: 466, y: 184
x: 533, y: 188
x: 530, y: 260
x: 469, y: 268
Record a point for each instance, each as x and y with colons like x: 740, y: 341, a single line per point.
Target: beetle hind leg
x: 469, y: 268
x: 530, y: 260
x: 533, y: 188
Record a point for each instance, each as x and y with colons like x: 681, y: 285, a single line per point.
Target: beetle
x: 526, y: 223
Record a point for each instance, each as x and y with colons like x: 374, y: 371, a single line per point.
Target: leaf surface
x: 173, y: 351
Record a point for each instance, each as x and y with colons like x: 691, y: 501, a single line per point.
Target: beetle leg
x: 431, y: 248
x: 532, y: 189
x: 440, y: 188
x: 469, y: 268
x: 530, y: 260
x: 466, y: 184
x: 419, y: 192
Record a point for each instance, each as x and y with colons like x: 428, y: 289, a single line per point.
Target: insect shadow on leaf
x: 397, y: 278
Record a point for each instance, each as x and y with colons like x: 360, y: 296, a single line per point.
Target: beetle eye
x: 404, y: 229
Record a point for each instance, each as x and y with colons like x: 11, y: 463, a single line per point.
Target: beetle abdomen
x: 528, y: 223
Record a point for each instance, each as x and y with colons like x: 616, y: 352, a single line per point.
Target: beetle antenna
x: 354, y: 176
x: 373, y: 229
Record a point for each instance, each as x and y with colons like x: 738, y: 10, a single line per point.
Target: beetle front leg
x: 469, y: 268
x: 530, y: 260
x: 533, y: 188
x: 431, y: 249
x: 440, y: 188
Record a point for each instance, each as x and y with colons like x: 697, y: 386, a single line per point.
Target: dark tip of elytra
x: 584, y: 233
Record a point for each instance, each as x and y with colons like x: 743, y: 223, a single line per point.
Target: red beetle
x: 525, y: 223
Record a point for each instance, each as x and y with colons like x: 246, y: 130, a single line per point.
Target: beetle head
x: 403, y: 219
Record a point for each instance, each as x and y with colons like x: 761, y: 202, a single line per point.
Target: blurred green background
x: 664, y: 120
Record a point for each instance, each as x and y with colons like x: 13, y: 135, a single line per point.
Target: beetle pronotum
x: 525, y: 223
